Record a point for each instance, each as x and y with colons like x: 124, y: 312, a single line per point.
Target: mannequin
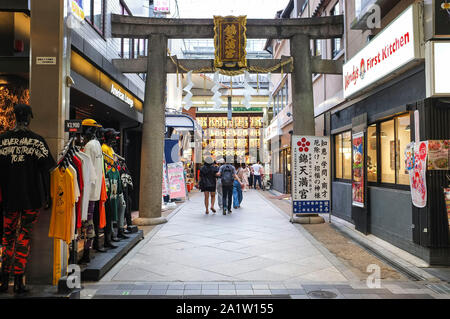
x: 112, y: 184
x: 25, y: 163
x: 94, y: 150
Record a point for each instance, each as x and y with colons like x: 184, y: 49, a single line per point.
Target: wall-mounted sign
x: 392, y: 49
x: 161, y: 6
x: 121, y: 95
x: 77, y: 9
x: 437, y: 68
x: 311, y: 174
x: 437, y: 19
x: 273, y: 130
x: 46, y: 60
x: 358, y: 169
x: 438, y: 155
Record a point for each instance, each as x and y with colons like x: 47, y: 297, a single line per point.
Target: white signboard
x: 396, y: 46
x: 116, y: 91
x: 311, y: 174
x: 273, y: 130
x: 437, y: 68
x: 162, y: 6
x: 46, y: 60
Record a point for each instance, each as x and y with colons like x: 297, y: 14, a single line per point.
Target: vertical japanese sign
x: 311, y: 174
x: 175, y: 172
x: 230, y: 42
x: 358, y: 169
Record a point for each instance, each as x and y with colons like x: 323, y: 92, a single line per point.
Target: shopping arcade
x: 299, y: 31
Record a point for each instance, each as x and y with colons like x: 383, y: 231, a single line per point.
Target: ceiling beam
x: 140, y: 27
x: 139, y: 65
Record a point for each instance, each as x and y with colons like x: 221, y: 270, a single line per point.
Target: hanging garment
x: 94, y: 150
x: 89, y: 182
x: 79, y: 168
x: 108, y: 150
x: 114, y: 187
x: 72, y: 226
x: 103, y: 199
x: 63, y: 201
x: 127, y: 187
x: 25, y: 163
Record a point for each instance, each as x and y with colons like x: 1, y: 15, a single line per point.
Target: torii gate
x: 157, y: 64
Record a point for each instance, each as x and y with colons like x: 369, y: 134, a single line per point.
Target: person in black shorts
x: 208, y: 178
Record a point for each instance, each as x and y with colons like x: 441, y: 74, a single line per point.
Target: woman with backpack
x: 208, y: 175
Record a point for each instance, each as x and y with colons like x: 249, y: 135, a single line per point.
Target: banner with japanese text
x: 358, y: 169
x: 175, y: 173
x: 311, y: 174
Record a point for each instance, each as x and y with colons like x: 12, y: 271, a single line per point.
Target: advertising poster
x: 358, y: 169
x: 311, y: 174
x: 447, y: 203
x: 77, y: 9
x: 417, y: 177
x: 165, y: 185
x: 175, y: 173
x: 438, y: 154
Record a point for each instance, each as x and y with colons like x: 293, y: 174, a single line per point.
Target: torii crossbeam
x: 299, y: 31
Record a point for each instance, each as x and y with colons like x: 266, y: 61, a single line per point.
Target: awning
x: 182, y: 121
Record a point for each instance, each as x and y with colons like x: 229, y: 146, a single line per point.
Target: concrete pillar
x: 153, y: 133
x: 49, y: 98
x: 302, y: 90
x: 303, y: 101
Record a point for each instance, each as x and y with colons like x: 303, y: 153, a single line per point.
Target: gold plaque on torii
x: 230, y: 42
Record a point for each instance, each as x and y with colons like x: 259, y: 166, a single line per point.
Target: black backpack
x: 227, y: 176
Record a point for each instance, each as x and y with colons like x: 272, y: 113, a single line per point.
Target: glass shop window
x: 372, y: 153
x: 343, y: 152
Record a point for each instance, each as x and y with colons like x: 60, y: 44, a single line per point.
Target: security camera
x: 289, y: 114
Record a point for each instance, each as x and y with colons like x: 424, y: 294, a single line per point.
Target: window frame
x: 379, y: 182
x: 91, y: 20
x: 341, y: 179
x: 334, y: 52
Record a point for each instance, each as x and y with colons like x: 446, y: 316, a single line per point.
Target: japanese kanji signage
x: 311, y: 174
x: 230, y: 42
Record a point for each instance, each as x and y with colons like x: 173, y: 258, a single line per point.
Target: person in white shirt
x: 257, y: 172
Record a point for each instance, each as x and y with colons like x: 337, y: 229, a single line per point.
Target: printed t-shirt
x: 103, y: 199
x: 25, y: 163
x: 108, y: 150
x: 94, y: 150
x: 257, y: 169
x: 114, y: 187
x: 89, y: 182
x: 63, y: 200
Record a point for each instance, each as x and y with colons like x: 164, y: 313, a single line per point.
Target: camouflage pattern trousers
x: 16, y: 242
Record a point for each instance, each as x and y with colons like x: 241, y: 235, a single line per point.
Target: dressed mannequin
x: 112, y: 182
x: 25, y: 163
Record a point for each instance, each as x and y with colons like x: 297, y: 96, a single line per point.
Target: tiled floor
x: 255, y: 251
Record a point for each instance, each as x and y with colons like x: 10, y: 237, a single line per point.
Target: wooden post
x: 153, y: 133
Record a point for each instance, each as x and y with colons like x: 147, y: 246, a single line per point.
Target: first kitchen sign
x: 311, y: 175
x: 392, y: 49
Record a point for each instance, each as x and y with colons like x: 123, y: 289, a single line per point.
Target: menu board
x: 311, y: 174
x: 358, y: 169
x: 438, y: 154
x: 175, y: 172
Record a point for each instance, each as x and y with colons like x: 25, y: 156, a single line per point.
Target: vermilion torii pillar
x: 300, y: 31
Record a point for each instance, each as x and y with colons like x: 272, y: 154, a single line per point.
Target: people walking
x: 237, y: 188
x: 250, y: 176
x: 208, y: 177
x: 220, y: 162
x: 227, y: 173
x: 244, y: 178
x: 257, y: 171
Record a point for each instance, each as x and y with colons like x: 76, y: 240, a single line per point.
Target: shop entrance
x: 157, y: 65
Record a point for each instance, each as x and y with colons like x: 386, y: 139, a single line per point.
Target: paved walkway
x: 253, y: 251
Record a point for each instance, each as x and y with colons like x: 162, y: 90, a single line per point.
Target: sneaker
x: 224, y: 212
x: 229, y: 211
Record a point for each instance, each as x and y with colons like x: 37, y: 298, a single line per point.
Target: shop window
x: 372, y: 153
x: 126, y: 48
x: 343, y: 152
x: 95, y: 14
x: 392, y: 137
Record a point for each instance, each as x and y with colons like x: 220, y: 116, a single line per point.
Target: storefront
x: 387, y: 108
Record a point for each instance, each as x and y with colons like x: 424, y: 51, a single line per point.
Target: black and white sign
x: 46, y: 60
x: 311, y: 174
x: 73, y: 126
